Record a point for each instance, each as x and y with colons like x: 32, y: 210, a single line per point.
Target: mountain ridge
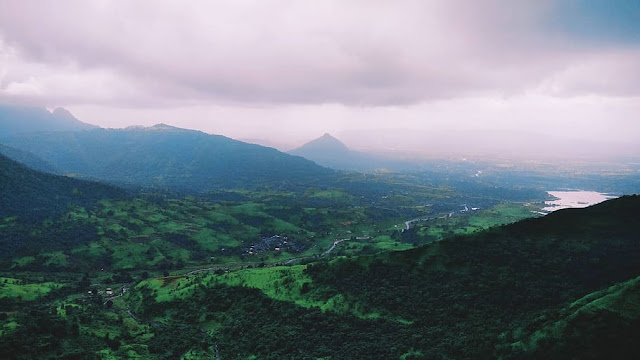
x: 22, y: 119
x: 28, y: 159
x: 164, y: 156
x: 29, y: 193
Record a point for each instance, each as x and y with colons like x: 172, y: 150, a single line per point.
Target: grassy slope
x: 457, y: 298
x: 453, y: 299
x: 603, y: 324
x: 14, y: 288
x: 148, y: 233
x: 479, y: 286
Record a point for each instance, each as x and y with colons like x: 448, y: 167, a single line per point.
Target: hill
x: 27, y: 159
x: 167, y: 157
x: 469, y: 292
x: 31, y: 200
x: 561, y: 286
x: 326, y: 145
x: 331, y: 152
x: 17, y: 119
x: 458, y: 298
x: 604, y: 324
x: 328, y: 151
x: 33, y: 195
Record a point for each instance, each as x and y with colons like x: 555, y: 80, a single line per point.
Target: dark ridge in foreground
x: 467, y: 295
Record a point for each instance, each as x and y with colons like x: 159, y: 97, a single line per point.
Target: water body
x: 574, y: 199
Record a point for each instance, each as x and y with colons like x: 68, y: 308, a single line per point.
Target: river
x: 574, y: 199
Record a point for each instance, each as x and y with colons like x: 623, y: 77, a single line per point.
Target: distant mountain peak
x: 20, y: 119
x: 62, y: 112
x: 326, y: 143
x: 64, y: 116
x: 164, y: 127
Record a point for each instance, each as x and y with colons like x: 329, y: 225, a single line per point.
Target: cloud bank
x: 257, y: 63
x: 149, y: 53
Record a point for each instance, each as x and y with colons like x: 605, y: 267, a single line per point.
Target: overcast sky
x: 288, y: 71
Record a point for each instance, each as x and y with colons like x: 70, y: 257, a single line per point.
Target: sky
x: 373, y: 73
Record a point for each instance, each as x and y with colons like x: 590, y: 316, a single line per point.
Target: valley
x: 156, y: 258
x: 200, y: 311
x: 319, y: 180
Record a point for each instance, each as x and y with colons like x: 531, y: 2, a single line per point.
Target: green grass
x: 385, y: 243
x: 622, y: 299
x: 471, y: 222
x: 283, y: 283
x: 61, y: 310
x: 283, y: 227
x: 412, y: 354
x: 328, y: 194
x: 142, y: 233
x: 212, y: 240
x: 23, y: 261
x: 249, y: 209
x: 8, y: 327
x: 92, y: 250
x: 14, y: 288
x: 58, y: 259
x: 280, y: 282
x: 221, y: 218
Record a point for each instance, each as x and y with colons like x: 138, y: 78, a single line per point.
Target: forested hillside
x: 27, y: 159
x: 23, y: 119
x: 166, y: 157
x: 532, y: 289
x: 33, y: 196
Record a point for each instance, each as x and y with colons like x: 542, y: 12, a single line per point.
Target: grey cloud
x: 349, y: 52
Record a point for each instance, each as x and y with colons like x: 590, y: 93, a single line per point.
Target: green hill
x: 468, y: 292
x: 22, y: 119
x: 30, y: 200
x: 480, y: 296
x: 27, y: 159
x: 167, y: 157
x: 539, y: 288
x: 32, y: 195
x: 602, y: 325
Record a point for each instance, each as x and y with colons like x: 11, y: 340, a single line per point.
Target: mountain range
x: 562, y: 286
x: 161, y: 156
x: 565, y: 285
x: 17, y: 120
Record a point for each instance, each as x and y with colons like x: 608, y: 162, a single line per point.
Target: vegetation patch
x: 17, y: 289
